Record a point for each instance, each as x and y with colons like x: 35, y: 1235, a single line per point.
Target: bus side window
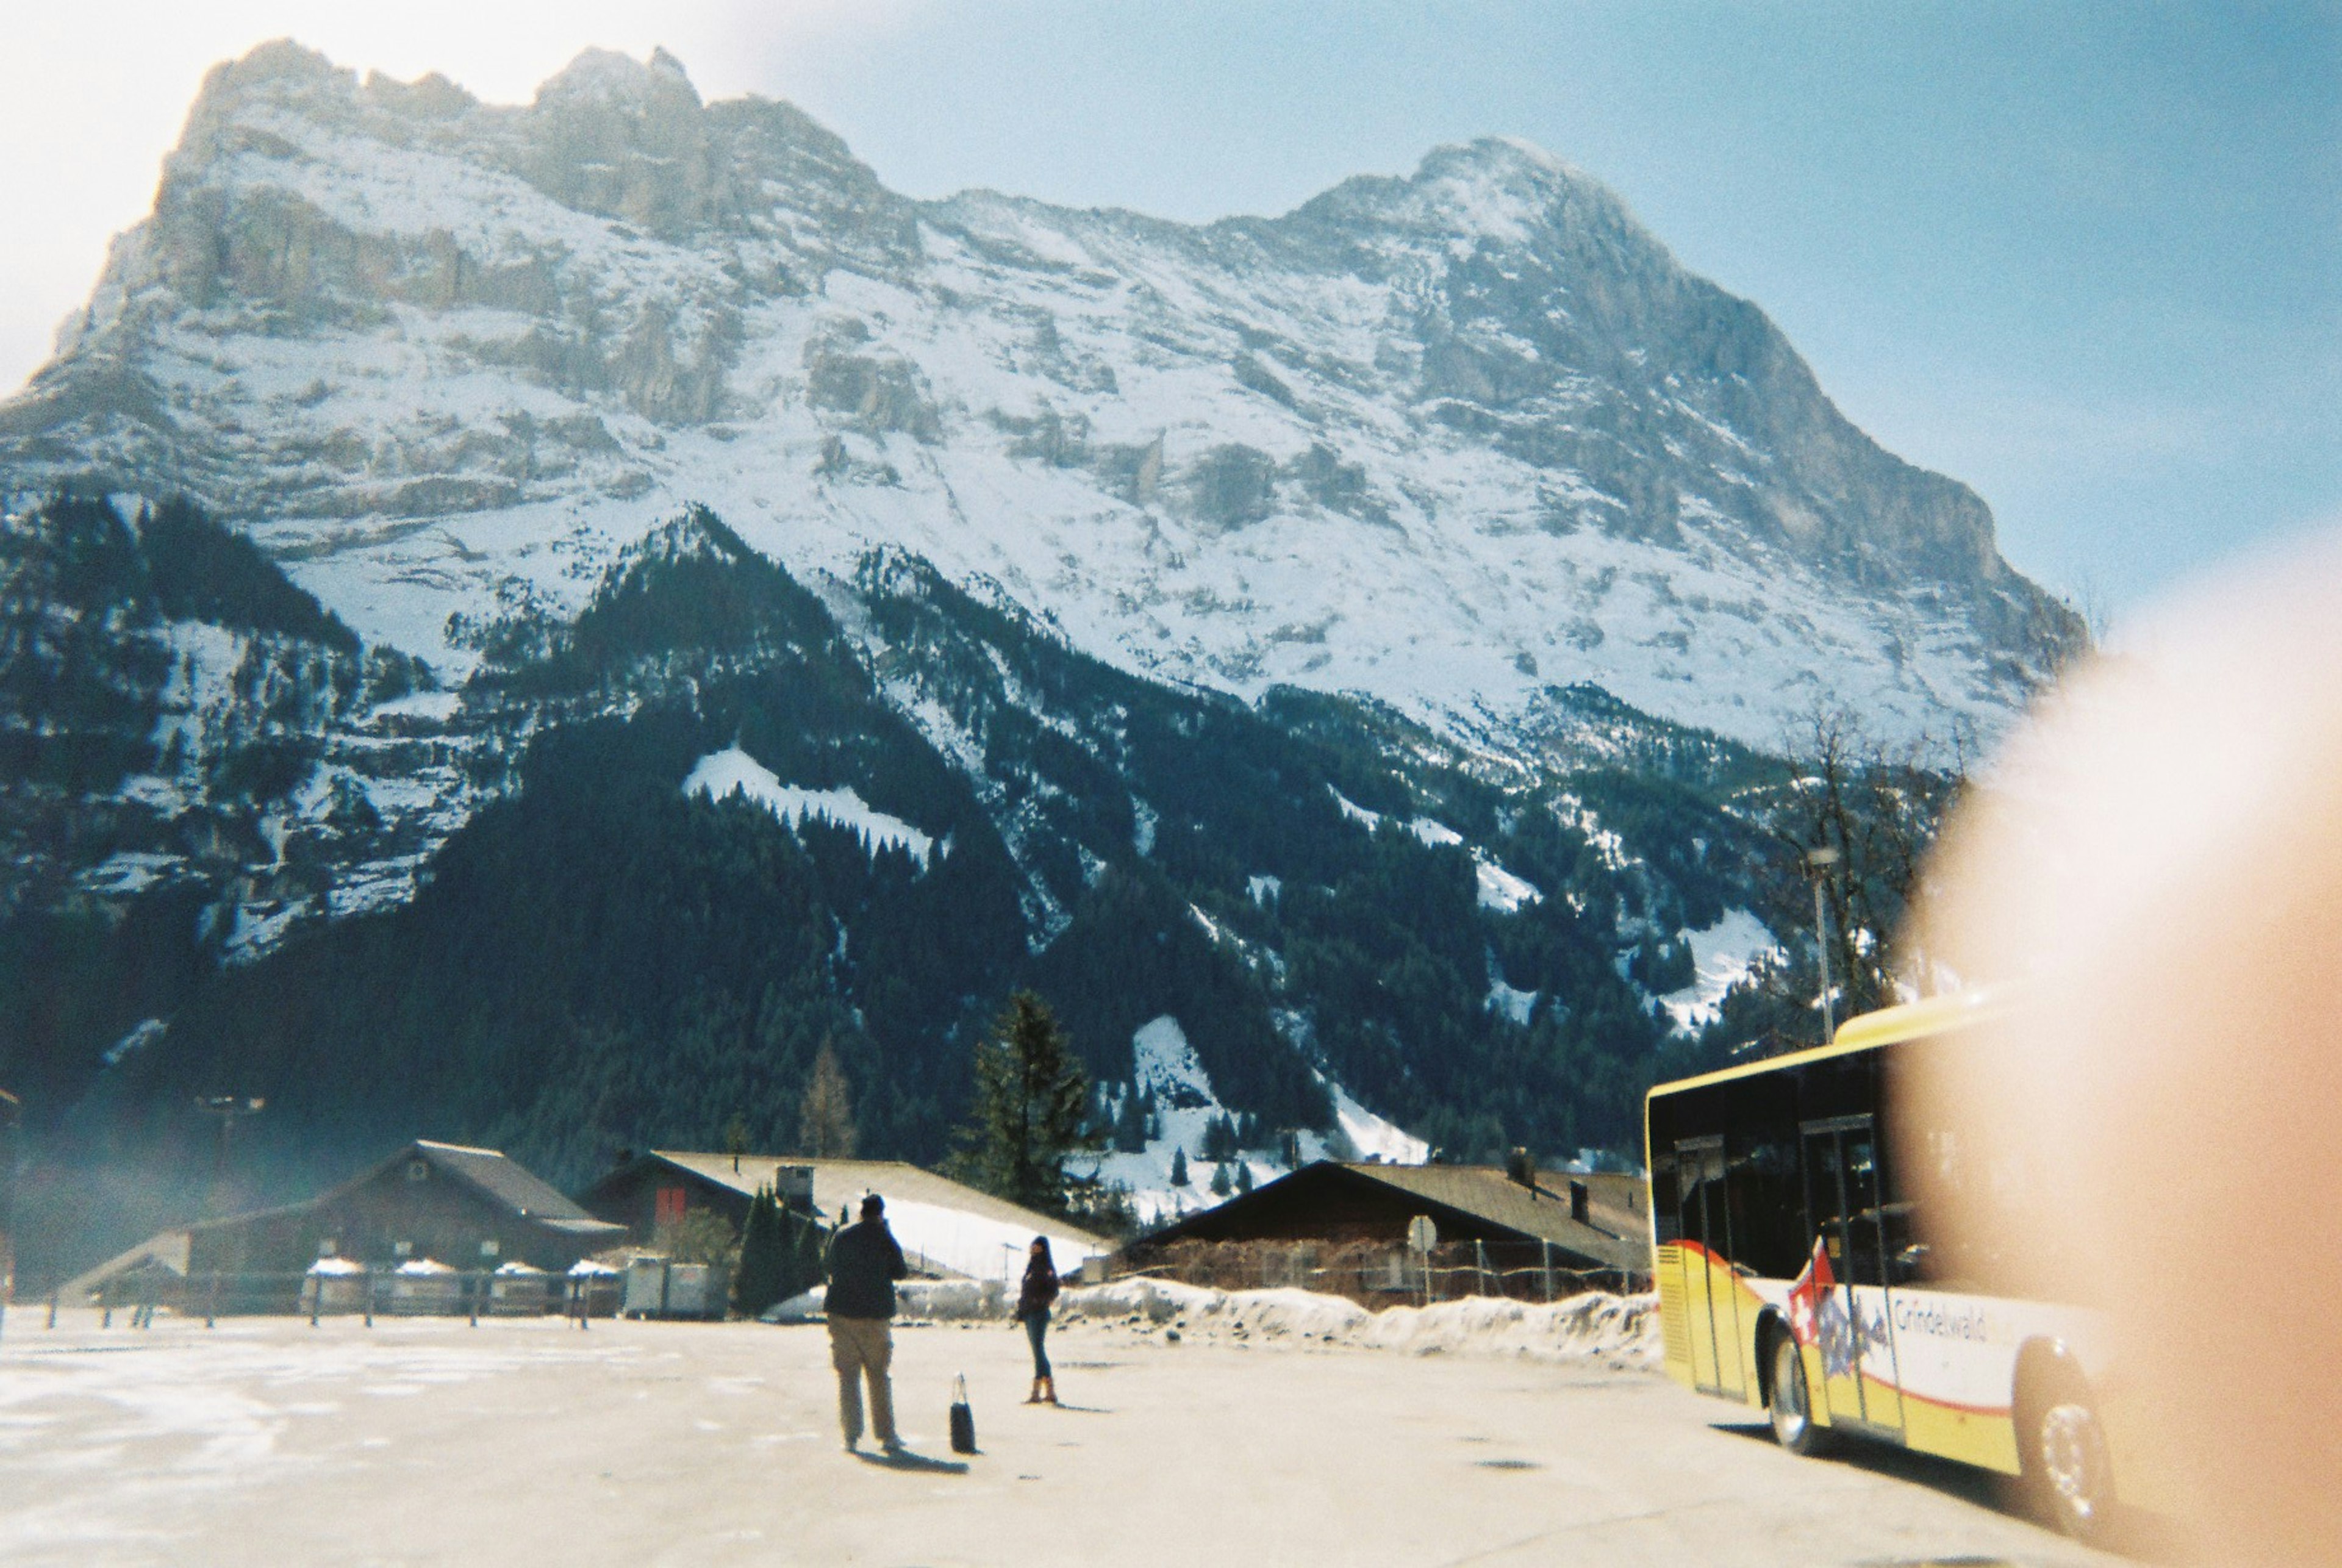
x: 1858, y: 1166
x: 1767, y: 1212
x: 1666, y: 1214
x: 1909, y: 1259
x: 1768, y: 1220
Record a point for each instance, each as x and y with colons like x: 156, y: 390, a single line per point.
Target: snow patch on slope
x: 1721, y: 957
x: 1500, y: 889
x: 1165, y: 1066
x: 721, y: 773
x: 1371, y: 1136
x: 1510, y: 1001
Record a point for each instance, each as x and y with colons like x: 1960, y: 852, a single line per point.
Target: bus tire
x: 1788, y: 1402
x: 2063, y: 1450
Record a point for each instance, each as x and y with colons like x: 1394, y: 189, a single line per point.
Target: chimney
x: 792, y: 1188
x: 1578, y: 1201
x: 1519, y: 1167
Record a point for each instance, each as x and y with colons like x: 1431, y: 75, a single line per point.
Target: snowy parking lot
x: 265, y: 1441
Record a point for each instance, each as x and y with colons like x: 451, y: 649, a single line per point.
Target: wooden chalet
x: 469, y: 1209
x: 1522, y: 1222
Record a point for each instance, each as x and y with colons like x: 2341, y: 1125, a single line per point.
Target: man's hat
x: 873, y: 1205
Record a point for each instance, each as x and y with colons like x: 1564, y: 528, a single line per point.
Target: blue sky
x: 2086, y: 258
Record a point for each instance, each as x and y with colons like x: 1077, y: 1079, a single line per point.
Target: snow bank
x: 1620, y: 1331
x: 916, y: 1301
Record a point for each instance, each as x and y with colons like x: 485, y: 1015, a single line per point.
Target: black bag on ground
x: 963, y: 1419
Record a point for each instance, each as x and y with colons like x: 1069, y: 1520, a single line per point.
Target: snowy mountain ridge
x: 1454, y: 439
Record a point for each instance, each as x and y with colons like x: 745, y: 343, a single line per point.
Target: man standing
x: 864, y: 1264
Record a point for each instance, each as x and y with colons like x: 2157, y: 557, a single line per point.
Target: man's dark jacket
x: 864, y: 1264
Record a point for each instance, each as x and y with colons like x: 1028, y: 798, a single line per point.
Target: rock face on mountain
x: 1459, y: 440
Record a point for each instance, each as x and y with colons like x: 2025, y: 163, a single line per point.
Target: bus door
x: 1853, y: 1313
x: 1711, y: 1304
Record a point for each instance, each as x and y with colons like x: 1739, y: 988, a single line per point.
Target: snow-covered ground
x: 424, y: 1441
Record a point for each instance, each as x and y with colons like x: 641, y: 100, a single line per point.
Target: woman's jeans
x: 1036, y: 1329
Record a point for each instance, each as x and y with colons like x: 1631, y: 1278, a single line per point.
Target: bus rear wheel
x: 1789, y: 1404
x: 2065, y: 1463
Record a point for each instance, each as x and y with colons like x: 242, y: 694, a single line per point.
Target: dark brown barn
x: 1514, y: 1232
x: 468, y: 1208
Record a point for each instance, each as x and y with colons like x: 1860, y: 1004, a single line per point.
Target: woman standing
x: 1040, y: 1288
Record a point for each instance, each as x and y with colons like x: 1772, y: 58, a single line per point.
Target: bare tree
x: 1879, y: 806
x: 826, y: 1112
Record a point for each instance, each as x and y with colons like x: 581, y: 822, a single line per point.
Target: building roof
x: 1480, y: 1192
x: 164, y: 1250
x: 948, y: 1228
x: 506, y: 1182
x: 1541, y: 1213
x: 503, y: 1181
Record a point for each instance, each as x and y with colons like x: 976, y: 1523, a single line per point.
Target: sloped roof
x: 1542, y: 1213
x: 164, y: 1250
x: 950, y: 1227
x: 507, y: 1181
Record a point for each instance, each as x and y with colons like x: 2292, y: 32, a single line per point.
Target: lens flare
x: 2152, y: 875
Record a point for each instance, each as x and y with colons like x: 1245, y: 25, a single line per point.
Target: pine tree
x: 1132, y: 1122
x: 764, y: 1257
x: 1179, y: 1167
x: 1221, y: 1183
x: 1244, y: 1176
x: 735, y: 1139
x: 1027, y: 1117
x: 825, y: 1113
x: 808, y: 1249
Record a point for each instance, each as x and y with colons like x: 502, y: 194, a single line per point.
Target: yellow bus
x: 1797, y: 1273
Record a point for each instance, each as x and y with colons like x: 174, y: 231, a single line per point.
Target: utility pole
x: 1818, y: 860
x: 228, y: 1108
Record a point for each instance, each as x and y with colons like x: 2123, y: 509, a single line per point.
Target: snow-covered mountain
x: 1456, y: 441
x: 531, y: 625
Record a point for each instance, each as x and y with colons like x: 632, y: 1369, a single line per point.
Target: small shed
x: 593, y: 1288
x: 520, y: 1290
x: 422, y: 1287
x: 656, y: 1287
x: 334, y: 1285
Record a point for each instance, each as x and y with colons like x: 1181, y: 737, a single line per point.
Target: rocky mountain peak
x: 1457, y: 439
x: 607, y: 77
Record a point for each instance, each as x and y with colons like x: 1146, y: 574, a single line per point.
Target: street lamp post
x: 228, y: 1108
x: 1818, y: 860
